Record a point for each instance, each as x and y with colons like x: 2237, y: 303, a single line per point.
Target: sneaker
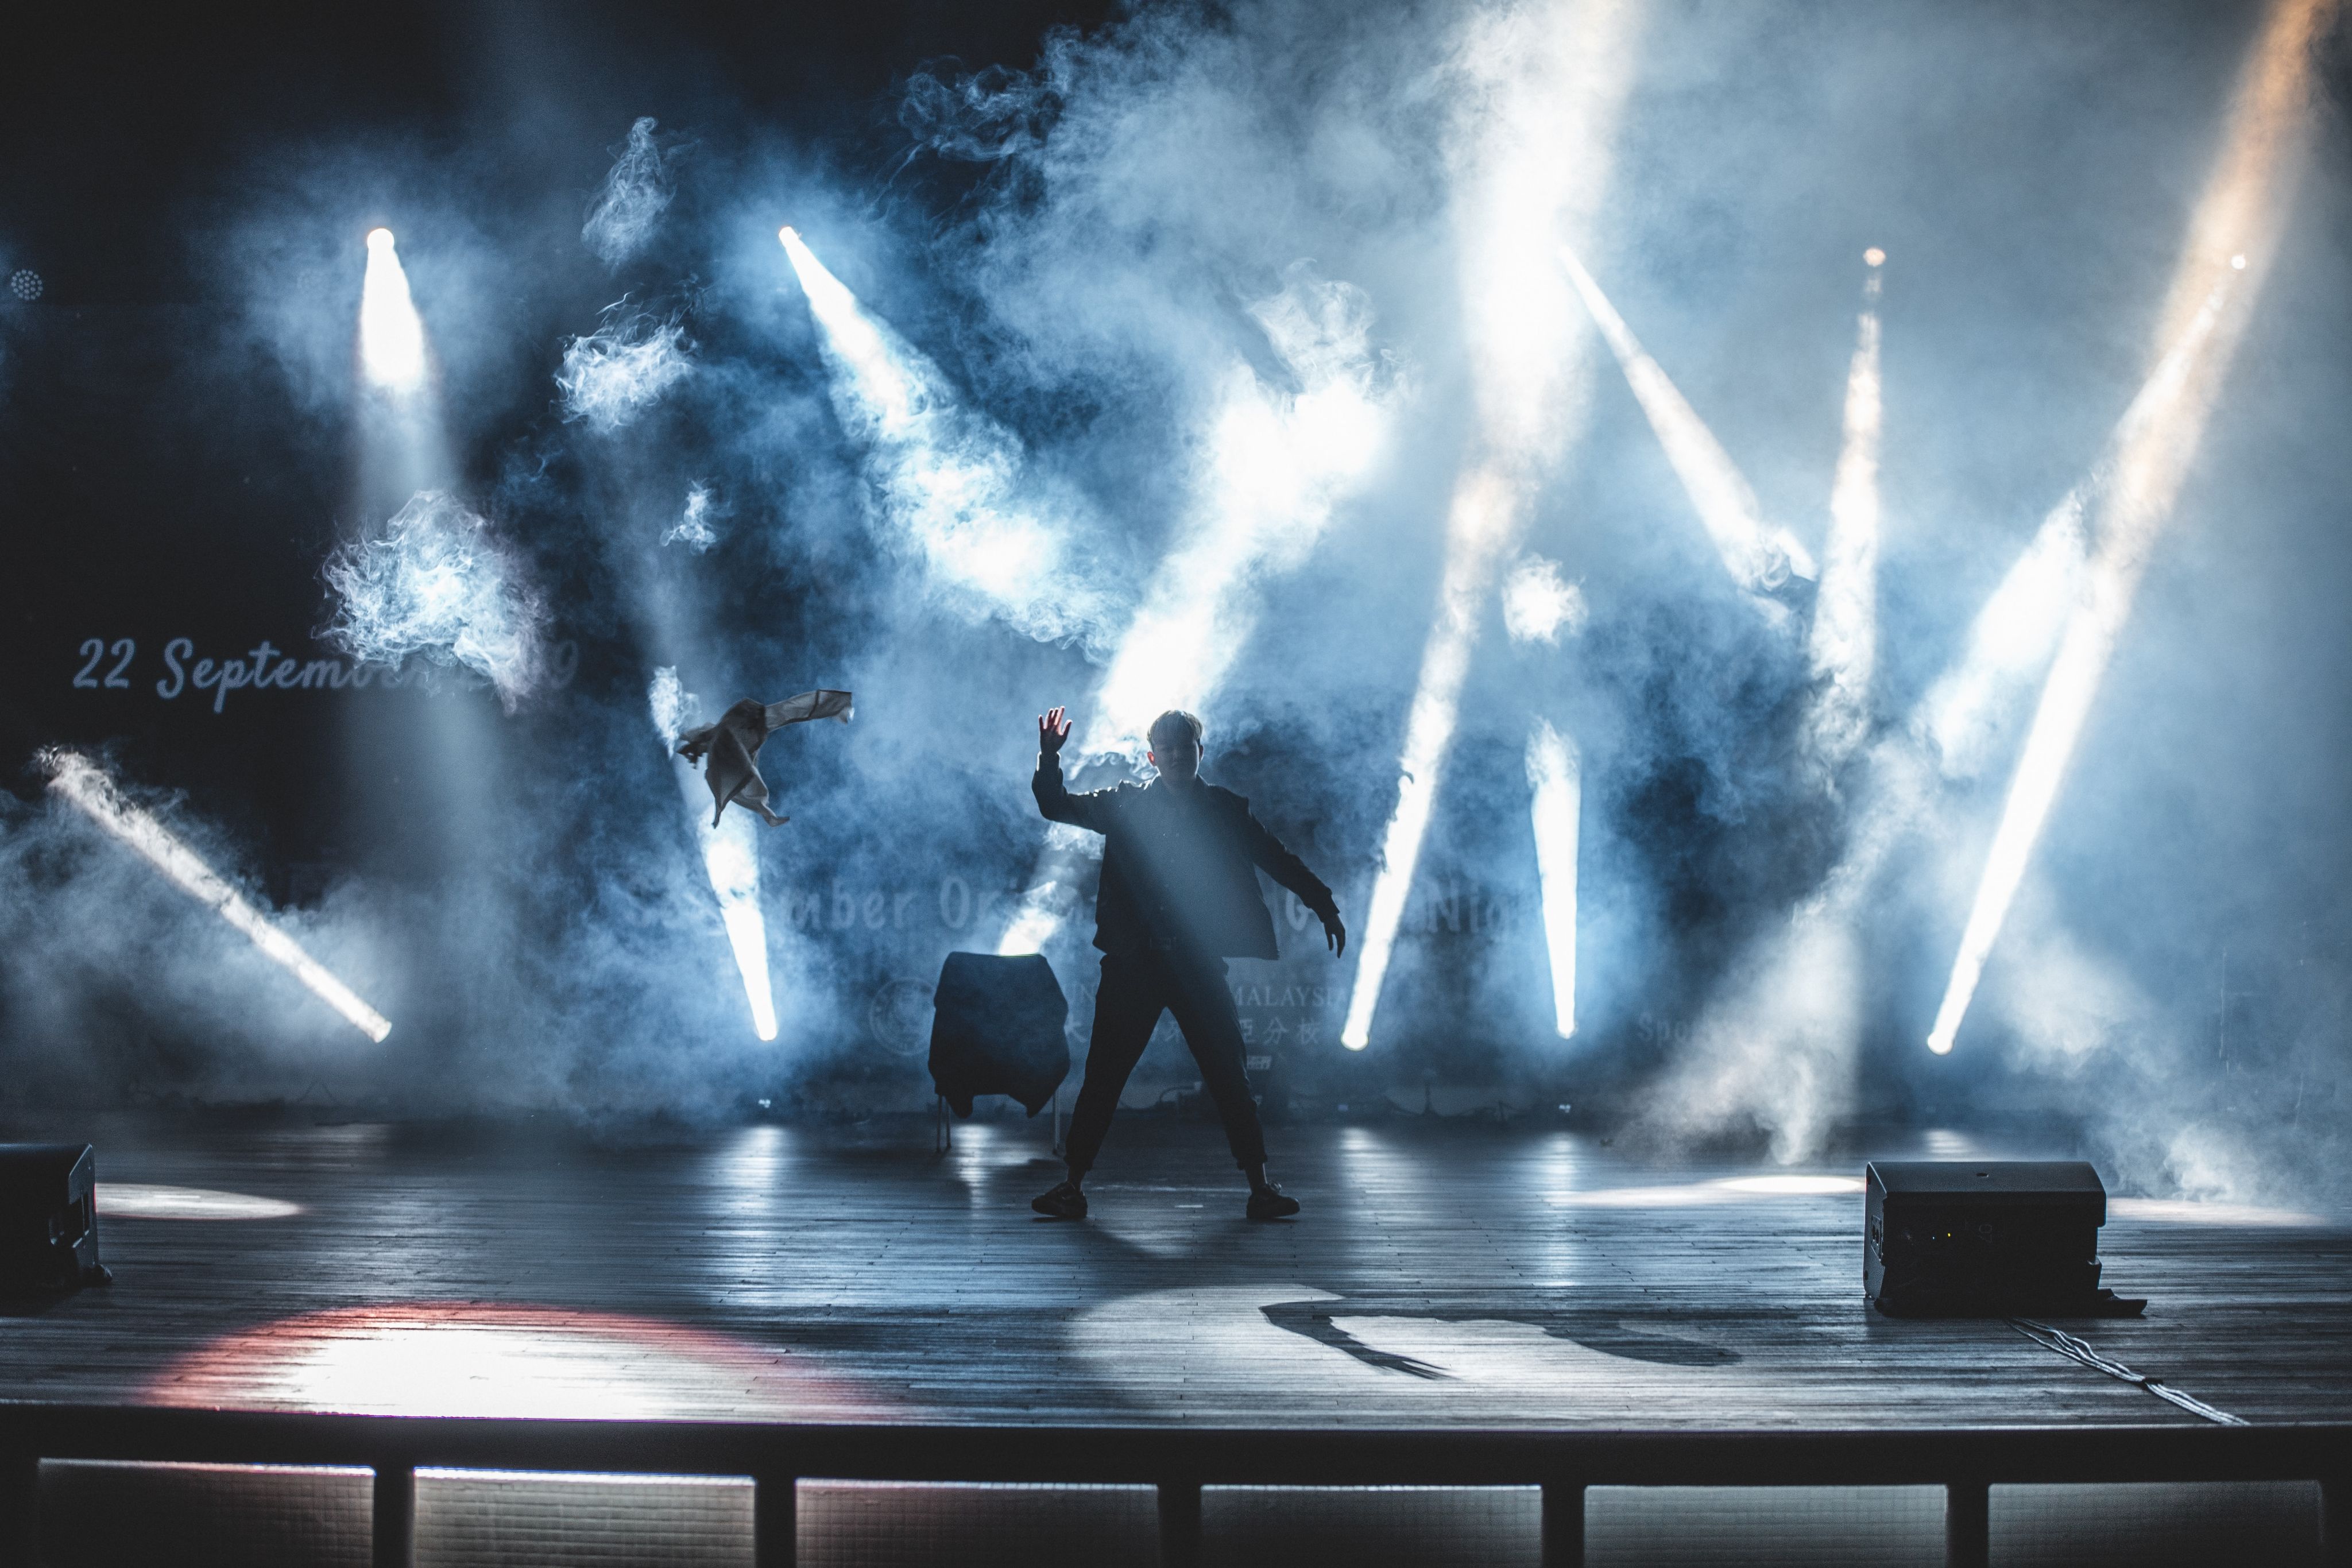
x: 1270, y: 1203
x: 1066, y: 1202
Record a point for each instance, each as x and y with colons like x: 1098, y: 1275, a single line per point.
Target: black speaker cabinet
x: 49, y: 1218
x: 1985, y: 1239
x: 998, y: 1029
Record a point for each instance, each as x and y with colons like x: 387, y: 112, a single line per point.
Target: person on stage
x: 1178, y: 898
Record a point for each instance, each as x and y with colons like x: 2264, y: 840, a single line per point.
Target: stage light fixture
x: 2247, y: 193
x: 80, y: 781
x: 26, y: 284
x: 392, y: 337
x: 1873, y: 257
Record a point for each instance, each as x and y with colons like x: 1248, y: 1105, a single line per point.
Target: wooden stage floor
x: 1441, y: 1275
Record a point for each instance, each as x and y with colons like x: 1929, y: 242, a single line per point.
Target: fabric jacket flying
x: 1176, y: 871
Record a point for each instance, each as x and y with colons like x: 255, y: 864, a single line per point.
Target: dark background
x: 158, y: 479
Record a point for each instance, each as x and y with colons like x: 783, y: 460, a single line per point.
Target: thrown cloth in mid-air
x: 734, y: 741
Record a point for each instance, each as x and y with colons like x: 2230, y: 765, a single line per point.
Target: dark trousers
x: 1135, y: 990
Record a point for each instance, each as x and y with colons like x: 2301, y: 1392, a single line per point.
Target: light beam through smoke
x: 1274, y: 466
x: 945, y: 480
x: 1537, y: 79
x: 392, y: 337
x: 2017, y: 631
x: 1760, y: 555
x: 2012, y: 637
x: 2229, y: 246
x: 1776, y: 1044
x: 79, y: 781
x: 730, y: 855
x: 1844, y: 644
x: 1554, y: 774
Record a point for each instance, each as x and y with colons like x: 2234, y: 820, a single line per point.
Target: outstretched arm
x: 808, y: 706
x: 1291, y: 872
x: 1054, y: 798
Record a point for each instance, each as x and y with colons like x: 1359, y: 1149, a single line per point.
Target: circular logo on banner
x: 899, y: 1016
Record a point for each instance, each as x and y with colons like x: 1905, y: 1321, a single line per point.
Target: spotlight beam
x: 1759, y: 557
x: 1843, y: 643
x: 730, y: 857
x: 948, y: 481
x: 1485, y: 517
x: 2229, y: 244
x: 1276, y: 466
x: 1551, y: 78
x: 80, y: 781
x: 1554, y: 774
x: 1778, y: 1042
x: 392, y: 337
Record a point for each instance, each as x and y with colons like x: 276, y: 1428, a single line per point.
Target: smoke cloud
x: 438, y: 585
x: 1229, y: 359
x: 693, y: 527
x: 634, y: 195
x: 1540, y: 604
x: 622, y: 369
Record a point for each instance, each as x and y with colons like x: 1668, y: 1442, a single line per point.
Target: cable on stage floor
x: 2067, y: 1345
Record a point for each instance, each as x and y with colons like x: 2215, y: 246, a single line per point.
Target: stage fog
x: 1708, y: 525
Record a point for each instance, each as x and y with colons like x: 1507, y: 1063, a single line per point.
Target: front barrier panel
x: 1180, y: 1461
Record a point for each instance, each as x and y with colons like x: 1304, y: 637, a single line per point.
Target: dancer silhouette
x: 1179, y: 897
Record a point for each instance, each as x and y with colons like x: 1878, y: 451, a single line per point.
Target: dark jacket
x: 1176, y: 871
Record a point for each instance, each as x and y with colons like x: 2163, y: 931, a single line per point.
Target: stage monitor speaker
x: 49, y: 1218
x: 1985, y: 1239
x: 998, y: 1029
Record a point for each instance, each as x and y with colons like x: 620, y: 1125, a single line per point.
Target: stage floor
x: 1451, y: 1274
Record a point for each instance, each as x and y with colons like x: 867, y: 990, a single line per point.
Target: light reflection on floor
x: 2187, y: 1211
x: 140, y: 1200
x: 462, y: 1358
x: 980, y: 1152
x: 751, y: 1170
x: 1734, y: 1190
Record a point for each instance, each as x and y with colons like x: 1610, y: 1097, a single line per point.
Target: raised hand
x: 1335, y: 933
x: 1052, y: 730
